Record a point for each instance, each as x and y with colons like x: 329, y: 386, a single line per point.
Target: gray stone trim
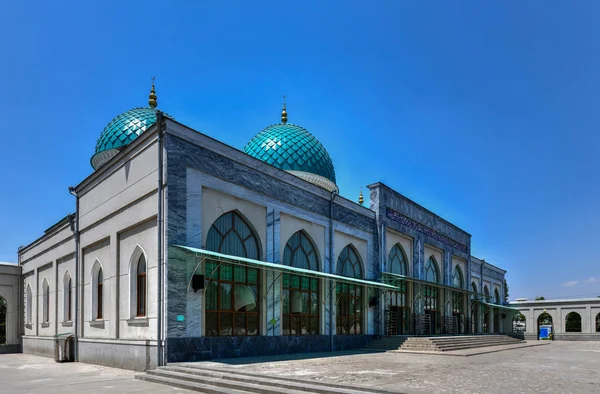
x: 97, y: 323
x: 45, y: 325
x: 138, y: 321
x: 67, y: 324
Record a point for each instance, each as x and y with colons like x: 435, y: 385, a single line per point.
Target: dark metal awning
x: 224, y: 258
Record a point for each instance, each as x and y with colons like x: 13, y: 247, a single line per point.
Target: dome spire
x: 283, y: 113
x: 361, y: 200
x: 152, y: 97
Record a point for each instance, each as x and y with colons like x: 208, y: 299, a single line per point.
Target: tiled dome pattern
x: 292, y: 148
x: 123, y: 129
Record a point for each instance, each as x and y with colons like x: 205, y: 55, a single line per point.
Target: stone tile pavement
x: 25, y: 374
x: 561, y: 367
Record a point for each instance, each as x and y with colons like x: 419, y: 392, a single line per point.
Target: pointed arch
x: 486, y: 293
x: 45, y: 301
x: 573, y: 322
x: 300, y: 252
x: 67, y: 296
x: 397, y: 261
x: 432, y: 271
x: 397, y: 314
x: 349, y: 297
x: 496, y: 297
x: 233, y: 234
x: 97, y: 291
x: 232, y: 302
x: 457, y: 277
x: 300, y: 298
x: 349, y: 263
x: 138, y: 282
x: 28, y: 305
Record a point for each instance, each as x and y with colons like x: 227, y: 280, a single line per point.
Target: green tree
x: 505, y: 291
x: 540, y: 298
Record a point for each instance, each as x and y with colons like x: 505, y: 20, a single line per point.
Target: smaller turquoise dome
x: 292, y: 148
x: 120, y: 132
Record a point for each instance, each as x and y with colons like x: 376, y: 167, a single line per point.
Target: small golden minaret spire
x: 361, y: 200
x: 284, y: 113
x: 152, y: 98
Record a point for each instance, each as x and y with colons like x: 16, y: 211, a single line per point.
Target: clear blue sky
x: 485, y: 112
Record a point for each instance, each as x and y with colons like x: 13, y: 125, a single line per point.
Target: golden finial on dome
x: 284, y: 113
x: 152, y: 98
x: 361, y: 200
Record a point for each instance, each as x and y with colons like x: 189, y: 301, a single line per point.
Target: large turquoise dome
x: 292, y: 148
x: 120, y: 132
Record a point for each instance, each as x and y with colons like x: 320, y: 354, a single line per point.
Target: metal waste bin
x: 63, y: 347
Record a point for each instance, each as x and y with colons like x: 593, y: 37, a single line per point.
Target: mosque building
x: 184, y: 248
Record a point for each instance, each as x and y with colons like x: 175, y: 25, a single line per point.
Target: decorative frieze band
x: 408, y: 222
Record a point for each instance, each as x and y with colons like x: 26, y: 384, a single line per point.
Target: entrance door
x: 433, y: 320
x: 395, y: 320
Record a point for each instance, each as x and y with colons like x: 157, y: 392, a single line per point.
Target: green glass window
x: 231, y: 303
x: 300, y: 293
x: 397, y: 260
x: 349, y: 296
x: 431, y: 270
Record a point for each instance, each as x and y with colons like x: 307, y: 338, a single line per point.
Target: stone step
x: 244, y: 383
x: 182, y: 384
x: 237, y: 372
x: 221, y: 384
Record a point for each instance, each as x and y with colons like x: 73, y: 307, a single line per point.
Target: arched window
x: 349, y: 296
x: 232, y: 303
x: 431, y: 296
x: 3, y: 318
x: 397, y: 260
x: 431, y: 270
x: 486, y: 310
x: 397, y: 315
x: 519, y: 323
x: 474, y: 309
x: 300, y: 293
x: 457, y: 278
x: 458, y: 300
x: 67, y: 297
x: 29, y: 306
x: 598, y: 322
x: 100, y: 295
x: 97, y: 291
x: 140, y: 286
x: 573, y: 322
x: 45, y: 301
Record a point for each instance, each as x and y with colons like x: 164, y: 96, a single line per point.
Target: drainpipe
x: 331, y: 295
x: 75, y: 229
x: 159, y: 224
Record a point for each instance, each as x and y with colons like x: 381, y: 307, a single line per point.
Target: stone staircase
x: 195, y: 377
x: 442, y: 344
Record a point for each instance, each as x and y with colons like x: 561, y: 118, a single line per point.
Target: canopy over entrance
x: 224, y: 258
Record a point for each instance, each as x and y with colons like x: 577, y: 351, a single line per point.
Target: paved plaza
x: 561, y: 367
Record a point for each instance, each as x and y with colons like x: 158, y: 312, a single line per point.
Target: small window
x: 45, y: 302
x: 99, y: 295
x: 28, y: 306
x: 67, y: 297
x: 141, y: 287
